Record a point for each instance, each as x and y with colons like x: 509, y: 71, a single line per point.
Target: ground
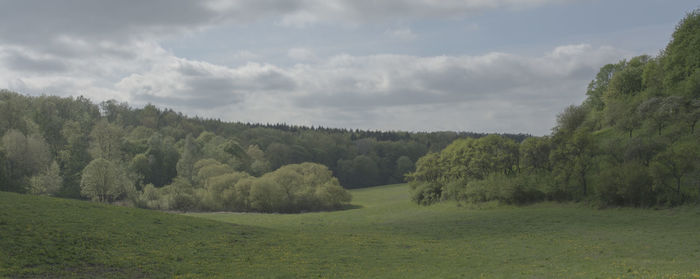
x: 383, y: 236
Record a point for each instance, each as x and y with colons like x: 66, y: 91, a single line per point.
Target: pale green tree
x: 104, y: 181
x: 259, y: 165
x: 48, y: 182
x: 105, y: 141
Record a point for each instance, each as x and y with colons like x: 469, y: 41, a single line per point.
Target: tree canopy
x: 631, y: 142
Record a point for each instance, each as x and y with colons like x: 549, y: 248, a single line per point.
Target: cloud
x: 405, y: 34
x: 100, y: 20
x: 391, y: 80
x: 111, y: 49
x: 300, y: 13
x: 244, y: 55
x: 20, y: 61
x: 301, y: 54
x: 496, y: 92
x: 196, y: 85
x: 30, y: 22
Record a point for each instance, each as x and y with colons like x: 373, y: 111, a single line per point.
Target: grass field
x: 387, y: 236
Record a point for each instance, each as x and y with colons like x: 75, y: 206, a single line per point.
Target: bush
x: 625, y: 184
x: 426, y: 193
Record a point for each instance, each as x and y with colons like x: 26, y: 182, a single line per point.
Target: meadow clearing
x: 384, y: 235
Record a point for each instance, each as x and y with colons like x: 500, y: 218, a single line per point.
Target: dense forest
x: 157, y: 158
x: 632, y: 142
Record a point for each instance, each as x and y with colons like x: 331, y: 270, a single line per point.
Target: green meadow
x: 384, y: 235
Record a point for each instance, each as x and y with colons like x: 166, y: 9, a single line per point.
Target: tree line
x: 632, y: 142
x: 150, y: 157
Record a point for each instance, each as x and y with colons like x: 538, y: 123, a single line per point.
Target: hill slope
x: 66, y: 238
x: 387, y: 236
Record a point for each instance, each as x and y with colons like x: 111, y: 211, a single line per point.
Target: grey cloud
x: 82, y: 28
x: 22, y: 62
x: 201, y: 76
x: 300, y: 12
x: 200, y: 85
x: 204, y: 101
x: 381, y: 81
x: 31, y: 20
x: 495, y: 92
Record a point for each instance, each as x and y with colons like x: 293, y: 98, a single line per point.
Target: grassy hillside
x: 65, y: 238
x: 386, y: 237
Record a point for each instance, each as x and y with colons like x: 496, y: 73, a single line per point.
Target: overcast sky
x: 413, y: 65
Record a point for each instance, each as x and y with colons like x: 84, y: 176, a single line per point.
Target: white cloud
x: 124, y: 21
x: 301, y: 13
x: 495, y: 92
x: 111, y: 49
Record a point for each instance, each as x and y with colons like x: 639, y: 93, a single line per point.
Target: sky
x: 495, y: 66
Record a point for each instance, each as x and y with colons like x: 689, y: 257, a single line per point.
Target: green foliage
x: 259, y: 164
x: 74, y: 157
x: 681, y: 58
x: 48, y: 182
x: 24, y: 157
x: 162, y: 161
x: 104, y: 181
x: 459, y: 171
x: 156, y: 146
x: 404, y: 165
x: 361, y: 170
x: 627, y: 80
x: 631, y: 143
x: 292, y: 188
x: 534, y: 154
x: 625, y: 184
x: 105, y: 141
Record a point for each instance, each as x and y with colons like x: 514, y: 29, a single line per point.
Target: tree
x: 681, y: 58
x: 259, y: 165
x: 404, y: 165
x: 691, y: 114
x: 294, y: 188
x: 162, y: 161
x: 599, y: 85
x: 361, y: 171
x: 573, y: 158
x: 676, y: 162
x: 139, y: 167
x: 627, y: 81
x: 74, y: 156
x: 48, y: 182
x: 660, y: 111
x: 570, y: 119
x: 104, y: 181
x: 623, y: 114
x: 190, y: 155
x: 26, y: 157
x: 105, y: 141
x: 534, y: 154
x: 208, y: 168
